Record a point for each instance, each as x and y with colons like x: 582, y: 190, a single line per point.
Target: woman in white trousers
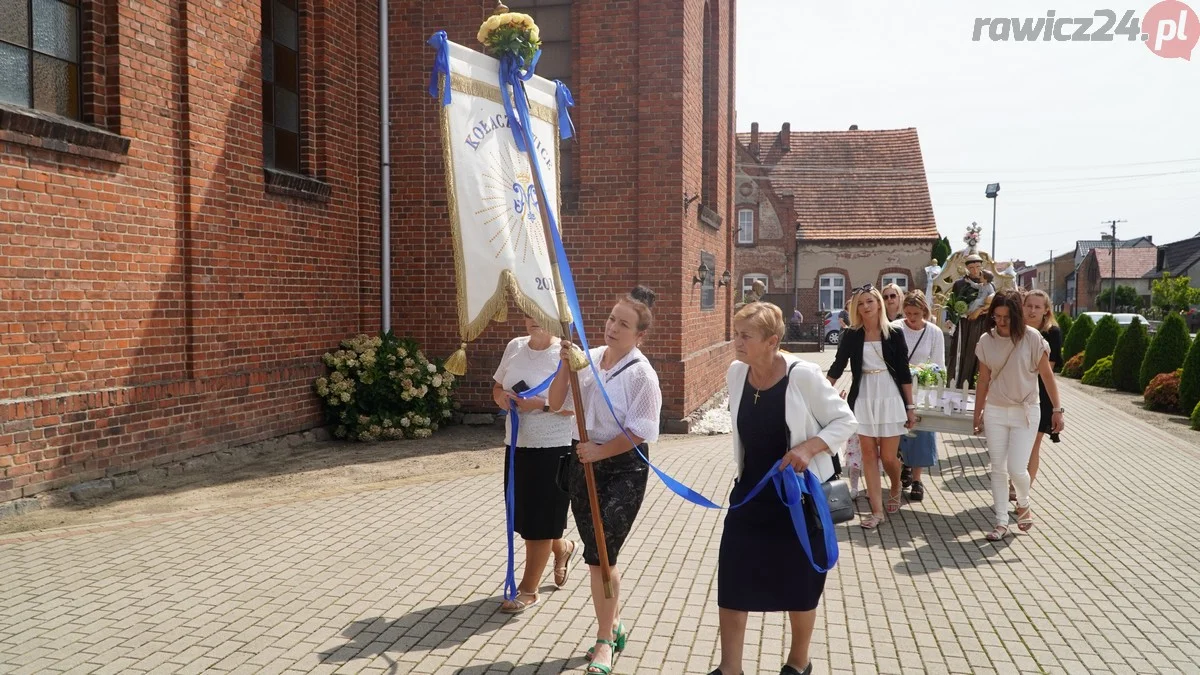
x: 1011, y: 356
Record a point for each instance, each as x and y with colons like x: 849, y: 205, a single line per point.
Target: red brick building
x: 1135, y: 267
x: 821, y: 212
x: 194, y: 220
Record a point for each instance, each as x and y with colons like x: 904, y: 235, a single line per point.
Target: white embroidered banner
x: 500, y: 250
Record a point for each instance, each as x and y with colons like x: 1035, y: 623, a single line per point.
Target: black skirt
x: 763, y: 567
x: 540, y: 508
x: 620, y: 487
x: 1047, y: 408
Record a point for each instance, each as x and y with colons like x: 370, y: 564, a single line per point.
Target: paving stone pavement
x: 407, y: 579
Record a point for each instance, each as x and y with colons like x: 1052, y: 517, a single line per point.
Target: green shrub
x: 382, y: 388
x: 1196, y: 417
x: 1127, y: 358
x: 1100, y: 374
x: 1167, y: 350
x: 1162, y: 394
x: 1101, y: 342
x: 1064, y: 324
x: 1189, y: 382
x: 1075, y: 341
x: 1073, y: 368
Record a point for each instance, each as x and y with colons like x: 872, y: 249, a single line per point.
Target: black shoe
x: 717, y: 671
x: 906, y: 476
x: 917, y: 493
x: 788, y: 670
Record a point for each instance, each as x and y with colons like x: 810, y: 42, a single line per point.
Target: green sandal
x: 600, y: 668
x: 620, y: 639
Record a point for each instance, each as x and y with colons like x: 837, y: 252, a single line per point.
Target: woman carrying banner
x: 784, y: 413
x: 539, y: 508
x: 632, y: 387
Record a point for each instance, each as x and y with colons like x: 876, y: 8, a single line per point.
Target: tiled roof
x: 1084, y: 245
x: 852, y: 185
x: 1181, y: 255
x: 1132, y: 263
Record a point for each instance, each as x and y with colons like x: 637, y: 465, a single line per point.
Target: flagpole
x: 576, y: 394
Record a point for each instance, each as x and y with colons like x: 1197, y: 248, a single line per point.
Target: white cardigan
x: 813, y: 406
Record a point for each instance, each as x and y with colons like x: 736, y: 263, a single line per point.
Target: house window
x: 745, y: 226
x: 39, y: 55
x: 900, y: 280
x: 553, y: 18
x: 281, y: 84
x: 748, y: 283
x: 832, y: 289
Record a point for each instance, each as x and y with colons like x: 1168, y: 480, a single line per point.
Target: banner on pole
x: 500, y: 250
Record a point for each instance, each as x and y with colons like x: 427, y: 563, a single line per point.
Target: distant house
x: 1134, y: 267
x: 1082, y: 248
x: 1052, y: 277
x: 822, y: 212
x: 1181, y: 259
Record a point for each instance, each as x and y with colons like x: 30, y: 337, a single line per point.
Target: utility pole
x: 1112, y: 247
x: 1052, y: 280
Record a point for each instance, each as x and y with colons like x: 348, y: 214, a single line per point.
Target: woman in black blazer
x: 880, y: 394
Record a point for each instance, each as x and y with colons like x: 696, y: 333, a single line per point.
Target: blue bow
x: 566, y: 128
x: 441, y: 66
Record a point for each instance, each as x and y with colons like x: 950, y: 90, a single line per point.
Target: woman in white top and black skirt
x: 926, y: 344
x: 633, y: 387
x: 880, y: 394
x: 540, y: 508
x: 784, y: 413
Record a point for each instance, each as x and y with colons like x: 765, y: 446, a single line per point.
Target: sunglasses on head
x: 865, y: 288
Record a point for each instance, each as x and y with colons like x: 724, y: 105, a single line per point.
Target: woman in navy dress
x: 785, y: 413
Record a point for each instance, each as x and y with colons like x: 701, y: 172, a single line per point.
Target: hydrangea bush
x: 383, y: 387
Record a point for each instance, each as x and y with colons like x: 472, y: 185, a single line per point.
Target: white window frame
x: 836, y: 288
x: 898, y: 278
x: 745, y: 226
x: 748, y: 283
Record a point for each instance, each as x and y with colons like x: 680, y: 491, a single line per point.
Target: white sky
x: 1060, y: 125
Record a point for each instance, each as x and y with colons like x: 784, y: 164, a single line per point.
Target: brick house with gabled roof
x: 857, y: 202
x: 1134, y: 267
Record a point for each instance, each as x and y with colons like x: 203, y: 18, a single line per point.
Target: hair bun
x: 643, y: 295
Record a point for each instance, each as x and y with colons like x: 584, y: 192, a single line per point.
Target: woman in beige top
x: 1011, y: 356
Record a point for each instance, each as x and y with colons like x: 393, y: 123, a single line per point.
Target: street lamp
x: 993, y: 189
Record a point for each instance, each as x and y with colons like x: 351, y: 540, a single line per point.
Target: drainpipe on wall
x: 385, y: 177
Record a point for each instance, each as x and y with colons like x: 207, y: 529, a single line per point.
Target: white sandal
x: 516, y: 605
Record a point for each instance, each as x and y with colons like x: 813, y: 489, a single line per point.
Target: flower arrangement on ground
x: 383, y: 387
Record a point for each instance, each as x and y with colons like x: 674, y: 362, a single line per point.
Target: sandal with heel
x: 620, y: 639
x: 601, y: 668
x: 560, y: 571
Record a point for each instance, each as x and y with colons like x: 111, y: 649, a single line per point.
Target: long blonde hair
x: 1048, y: 320
x: 885, y: 326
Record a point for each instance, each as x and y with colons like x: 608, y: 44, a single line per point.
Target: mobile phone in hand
x: 519, y: 387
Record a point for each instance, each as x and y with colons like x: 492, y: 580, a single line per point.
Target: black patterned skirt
x: 620, y: 487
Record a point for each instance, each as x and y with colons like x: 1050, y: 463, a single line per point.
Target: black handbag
x: 841, y: 506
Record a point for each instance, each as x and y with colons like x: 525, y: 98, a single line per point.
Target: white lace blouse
x: 521, y: 363
x: 635, y: 393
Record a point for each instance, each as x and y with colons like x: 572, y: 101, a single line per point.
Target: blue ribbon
x: 441, y: 66
x: 513, y: 75
x: 562, y: 95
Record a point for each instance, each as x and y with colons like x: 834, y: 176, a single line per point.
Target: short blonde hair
x: 917, y: 299
x: 1048, y: 320
x: 763, y: 317
x: 885, y: 325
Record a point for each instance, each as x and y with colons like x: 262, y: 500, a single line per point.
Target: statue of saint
x: 977, y: 285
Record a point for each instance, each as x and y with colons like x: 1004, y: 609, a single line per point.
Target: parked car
x: 832, y: 329
x: 1123, y: 320
x: 1095, y: 316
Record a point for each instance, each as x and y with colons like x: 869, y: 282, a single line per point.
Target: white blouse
x: 928, y: 349
x: 537, y: 429
x: 635, y: 393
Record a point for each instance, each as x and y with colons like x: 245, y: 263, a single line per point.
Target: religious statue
x: 964, y: 291
x: 757, y: 290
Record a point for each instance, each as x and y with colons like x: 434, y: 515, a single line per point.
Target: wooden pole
x: 577, y: 395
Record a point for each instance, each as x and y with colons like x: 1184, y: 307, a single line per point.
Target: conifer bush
x: 1128, y: 356
x: 1167, y: 350
x: 1075, y: 341
x: 1101, y: 342
x: 1100, y: 374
